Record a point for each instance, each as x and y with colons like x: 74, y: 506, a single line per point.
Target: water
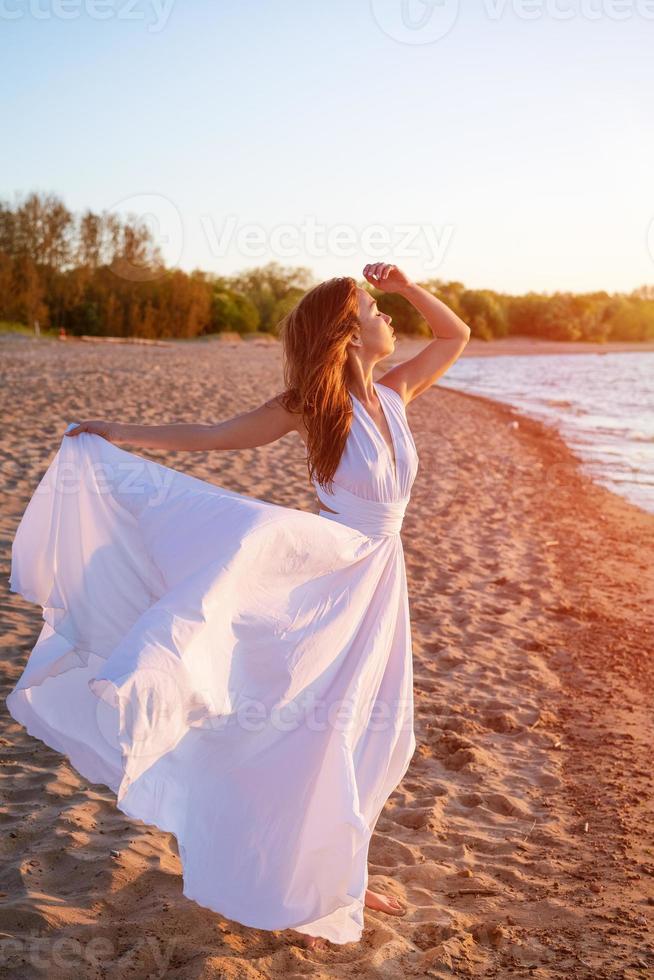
x: 601, y: 404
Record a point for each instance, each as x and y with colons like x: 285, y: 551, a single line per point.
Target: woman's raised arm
x: 417, y: 374
x: 262, y: 425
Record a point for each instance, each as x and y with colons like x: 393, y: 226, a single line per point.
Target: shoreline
x: 534, y: 345
x: 521, y: 835
x: 524, y: 346
x: 556, y: 424
x: 585, y: 911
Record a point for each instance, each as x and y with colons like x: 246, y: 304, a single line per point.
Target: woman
x: 237, y: 672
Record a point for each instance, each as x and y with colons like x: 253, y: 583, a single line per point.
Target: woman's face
x: 376, y: 334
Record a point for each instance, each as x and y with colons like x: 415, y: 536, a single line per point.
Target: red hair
x: 315, y: 335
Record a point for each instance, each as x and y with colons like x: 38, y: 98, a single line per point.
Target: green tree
x: 269, y: 285
x: 231, y: 311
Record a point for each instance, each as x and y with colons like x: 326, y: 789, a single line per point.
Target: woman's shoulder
x: 395, y: 396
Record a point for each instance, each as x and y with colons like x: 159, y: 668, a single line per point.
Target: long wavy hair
x: 315, y: 335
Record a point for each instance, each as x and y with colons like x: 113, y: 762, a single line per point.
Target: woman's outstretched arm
x: 262, y: 425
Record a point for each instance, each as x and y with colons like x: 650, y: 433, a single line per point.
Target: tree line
x: 104, y: 275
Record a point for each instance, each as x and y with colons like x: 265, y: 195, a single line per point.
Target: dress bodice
x: 369, y: 491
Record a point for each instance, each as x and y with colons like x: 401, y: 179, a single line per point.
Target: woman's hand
x: 386, y: 277
x: 98, y: 427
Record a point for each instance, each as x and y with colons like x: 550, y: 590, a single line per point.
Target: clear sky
x: 507, y: 145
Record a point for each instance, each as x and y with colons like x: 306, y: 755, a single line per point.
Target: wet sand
x: 521, y: 837
x: 531, y: 345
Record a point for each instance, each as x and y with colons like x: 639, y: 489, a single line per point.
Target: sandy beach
x: 522, y: 836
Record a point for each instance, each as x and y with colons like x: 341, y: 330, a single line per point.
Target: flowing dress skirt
x: 237, y: 673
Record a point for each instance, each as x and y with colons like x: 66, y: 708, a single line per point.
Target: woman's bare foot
x: 384, y: 903
x: 311, y: 942
x: 373, y: 900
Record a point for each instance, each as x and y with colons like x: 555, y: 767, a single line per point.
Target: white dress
x: 238, y: 673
